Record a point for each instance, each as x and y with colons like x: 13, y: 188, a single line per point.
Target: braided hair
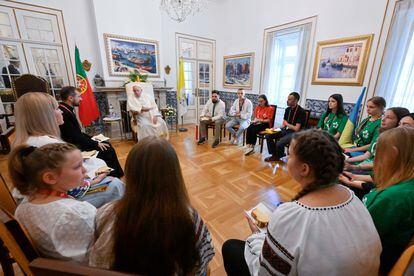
x: 322, y: 153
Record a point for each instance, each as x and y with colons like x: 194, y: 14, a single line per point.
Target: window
x: 31, y: 42
x: 285, y: 61
x: 396, y: 78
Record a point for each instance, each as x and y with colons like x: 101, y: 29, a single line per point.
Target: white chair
x: 148, y: 89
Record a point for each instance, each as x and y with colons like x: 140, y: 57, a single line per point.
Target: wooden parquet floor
x: 221, y: 183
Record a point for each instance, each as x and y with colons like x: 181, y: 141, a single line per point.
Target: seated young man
x: 241, y: 111
x: 214, y: 111
x: 71, y: 131
x: 293, y: 120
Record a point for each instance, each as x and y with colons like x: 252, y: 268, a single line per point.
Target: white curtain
x: 275, y: 60
x: 396, y: 78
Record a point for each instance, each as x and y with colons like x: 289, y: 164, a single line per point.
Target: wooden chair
x: 307, y: 119
x: 261, y: 135
x: 16, y: 246
x: 29, y: 83
x: 6, y: 199
x: 405, y: 264
x: 213, y: 126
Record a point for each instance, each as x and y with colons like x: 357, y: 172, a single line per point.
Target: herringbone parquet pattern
x: 222, y: 183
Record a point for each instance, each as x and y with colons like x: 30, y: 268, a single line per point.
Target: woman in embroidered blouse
x: 37, y: 124
x: 153, y: 230
x: 263, y: 118
x: 60, y: 226
x: 325, y: 230
x: 334, y: 119
x: 391, y: 204
x: 365, y: 131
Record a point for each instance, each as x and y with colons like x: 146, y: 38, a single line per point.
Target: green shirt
x: 332, y: 123
x: 365, y: 132
x: 392, y: 210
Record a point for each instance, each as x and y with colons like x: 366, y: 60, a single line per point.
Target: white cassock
x: 145, y: 124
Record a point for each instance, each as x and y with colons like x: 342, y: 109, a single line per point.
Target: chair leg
x: 261, y: 144
x: 244, y: 138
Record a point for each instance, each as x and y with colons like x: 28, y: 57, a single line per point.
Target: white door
x: 198, y: 56
x: 190, y: 77
x: 204, y: 84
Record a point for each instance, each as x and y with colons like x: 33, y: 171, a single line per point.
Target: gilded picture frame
x: 128, y: 54
x: 342, y: 61
x: 238, y: 71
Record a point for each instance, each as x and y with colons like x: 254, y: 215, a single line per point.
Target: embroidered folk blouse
x: 303, y: 240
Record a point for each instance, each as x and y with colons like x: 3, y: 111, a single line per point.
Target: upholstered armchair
x: 29, y: 83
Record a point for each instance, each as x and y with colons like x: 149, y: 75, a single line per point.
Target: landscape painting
x: 342, y: 61
x: 238, y: 71
x: 125, y: 55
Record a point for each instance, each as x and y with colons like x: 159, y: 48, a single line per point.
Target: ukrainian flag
x: 345, y: 141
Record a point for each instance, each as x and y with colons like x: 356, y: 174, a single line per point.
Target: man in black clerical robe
x: 71, y: 131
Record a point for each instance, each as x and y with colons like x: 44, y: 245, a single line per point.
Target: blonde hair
x: 389, y: 171
x: 34, y: 114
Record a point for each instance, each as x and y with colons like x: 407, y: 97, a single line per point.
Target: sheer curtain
x: 285, y: 59
x: 396, y: 78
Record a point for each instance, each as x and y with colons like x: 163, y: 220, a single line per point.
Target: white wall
x: 336, y: 19
x: 236, y: 25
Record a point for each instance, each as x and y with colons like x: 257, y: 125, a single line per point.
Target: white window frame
x: 17, y: 10
x: 308, y: 58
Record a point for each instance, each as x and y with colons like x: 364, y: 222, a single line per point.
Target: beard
x: 214, y: 101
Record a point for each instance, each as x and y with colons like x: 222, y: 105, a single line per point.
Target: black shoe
x: 215, y: 144
x: 271, y: 158
x: 201, y: 141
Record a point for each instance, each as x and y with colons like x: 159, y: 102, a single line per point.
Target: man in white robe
x: 145, y: 112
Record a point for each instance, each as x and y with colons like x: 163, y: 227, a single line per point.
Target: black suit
x: 71, y: 132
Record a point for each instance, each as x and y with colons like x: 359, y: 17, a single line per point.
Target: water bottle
x: 111, y: 111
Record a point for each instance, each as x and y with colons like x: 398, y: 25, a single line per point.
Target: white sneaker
x: 249, y: 151
x: 233, y: 141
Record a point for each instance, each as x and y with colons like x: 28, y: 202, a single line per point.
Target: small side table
x: 111, y: 120
x: 173, y: 125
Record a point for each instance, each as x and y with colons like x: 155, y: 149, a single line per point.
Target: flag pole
x: 182, y: 128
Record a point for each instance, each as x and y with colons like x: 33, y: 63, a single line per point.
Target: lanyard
x: 53, y: 192
x: 61, y: 105
x: 294, y: 115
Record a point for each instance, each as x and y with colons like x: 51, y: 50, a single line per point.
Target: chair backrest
x: 29, y: 83
x: 274, y: 114
x: 146, y: 87
x: 405, y: 264
x: 6, y: 199
x: 46, y: 267
x: 307, y: 111
x: 17, y: 241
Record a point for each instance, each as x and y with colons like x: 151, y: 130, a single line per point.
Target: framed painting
x: 127, y: 54
x: 238, y: 71
x: 342, y: 61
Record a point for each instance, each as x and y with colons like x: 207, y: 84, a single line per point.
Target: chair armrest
x: 46, y: 267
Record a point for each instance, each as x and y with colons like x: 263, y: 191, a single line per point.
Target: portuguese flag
x: 88, y: 109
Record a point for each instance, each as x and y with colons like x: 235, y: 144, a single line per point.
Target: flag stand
x: 182, y: 129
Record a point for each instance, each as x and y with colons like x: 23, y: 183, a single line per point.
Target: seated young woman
x: 407, y: 121
x: 334, y: 119
x: 324, y: 230
x: 365, y: 131
x: 38, y: 118
x: 60, y: 226
x: 263, y: 118
x: 153, y: 229
x: 359, y: 168
x: 391, y: 204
